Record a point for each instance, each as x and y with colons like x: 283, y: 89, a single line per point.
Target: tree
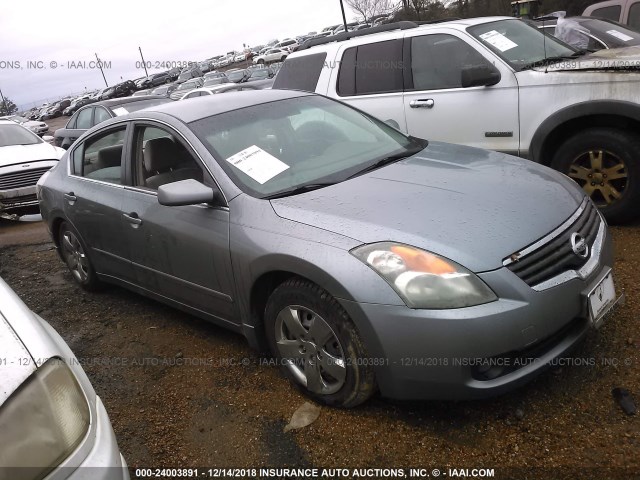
x: 7, y: 107
x: 370, y: 8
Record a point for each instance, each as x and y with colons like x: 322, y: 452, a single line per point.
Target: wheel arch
x: 571, y: 120
x: 275, y: 271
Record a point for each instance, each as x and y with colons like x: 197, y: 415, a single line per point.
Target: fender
x: 616, y: 108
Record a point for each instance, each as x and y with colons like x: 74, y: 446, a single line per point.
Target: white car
x: 37, y: 127
x: 496, y: 83
x: 240, y: 57
x: 289, y: 45
x: 24, y: 158
x: 272, y: 55
x: 52, y: 423
x: 222, y: 88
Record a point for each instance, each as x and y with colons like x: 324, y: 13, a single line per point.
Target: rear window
x: 371, y: 68
x: 300, y: 73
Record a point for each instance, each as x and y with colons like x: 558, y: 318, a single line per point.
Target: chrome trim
x: 100, y: 182
x: 585, y: 271
x: 547, y: 238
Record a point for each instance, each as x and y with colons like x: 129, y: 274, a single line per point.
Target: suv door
x: 370, y: 77
x: 179, y: 252
x: 437, y: 107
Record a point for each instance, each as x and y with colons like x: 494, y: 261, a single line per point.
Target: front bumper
x: 443, y: 354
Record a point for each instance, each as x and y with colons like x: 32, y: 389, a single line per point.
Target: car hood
x: 15, y: 154
x: 32, y: 123
x: 625, y: 59
x: 472, y: 206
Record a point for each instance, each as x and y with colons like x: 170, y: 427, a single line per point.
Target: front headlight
x: 424, y: 279
x: 43, y: 421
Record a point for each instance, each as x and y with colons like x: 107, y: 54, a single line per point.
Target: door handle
x: 70, y: 197
x: 422, y: 103
x: 133, y: 219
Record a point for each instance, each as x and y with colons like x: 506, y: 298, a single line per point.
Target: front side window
x: 100, y: 115
x: 519, y: 44
x: 100, y: 157
x: 271, y: 148
x: 634, y: 16
x: 437, y: 61
x: 84, y: 119
x: 161, y: 158
x: 610, y: 13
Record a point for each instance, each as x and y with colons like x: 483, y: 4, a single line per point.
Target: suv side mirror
x: 479, y: 76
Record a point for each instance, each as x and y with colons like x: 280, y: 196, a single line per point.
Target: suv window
x: 100, y: 157
x: 161, y: 158
x: 437, y: 61
x: 301, y: 73
x: 371, y: 68
x: 84, y: 119
x: 611, y: 13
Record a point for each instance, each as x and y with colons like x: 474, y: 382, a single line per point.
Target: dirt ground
x: 221, y: 406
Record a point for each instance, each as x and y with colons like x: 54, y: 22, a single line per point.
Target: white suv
x: 496, y: 83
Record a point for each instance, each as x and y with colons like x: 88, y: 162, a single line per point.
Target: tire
x: 73, y: 252
x: 603, y: 162
x: 300, y: 316
x: 261, y: 61
x: 283, y: 58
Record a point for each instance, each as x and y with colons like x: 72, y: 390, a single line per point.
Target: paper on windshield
x: 120, y: 111
x: 258, y: 164
x: 498, y: 40
x: 620, y: 35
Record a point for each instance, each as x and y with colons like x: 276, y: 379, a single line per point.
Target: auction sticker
x: 498, y: 40
x: 620, y: 35
x: 258, y: 164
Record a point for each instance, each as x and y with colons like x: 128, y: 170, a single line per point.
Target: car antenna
x: 544, y: 47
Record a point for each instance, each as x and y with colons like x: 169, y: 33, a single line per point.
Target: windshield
x: 260, y: 73
x: 160, y: 90
x: 13, y: 134
x: 519, y: 44
x: 187, y: 86
x: 612, y: 33
x: 18, y: 118
x: 233, y: 76
x: 278, y: 146
x: 214, y: 81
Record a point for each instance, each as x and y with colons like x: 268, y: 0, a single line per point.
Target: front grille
x: 20, y: 179
x: 18, y: 201
x: 557, y: 256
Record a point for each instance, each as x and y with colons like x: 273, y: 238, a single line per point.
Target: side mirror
x: 479, y: 76
x: 47, y: 138
x: 185, y: 192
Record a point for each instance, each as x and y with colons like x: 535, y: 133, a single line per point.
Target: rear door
x: 94, y: 198
x: 79, y: 123
x: 370, y: 77
x: 436, y: 105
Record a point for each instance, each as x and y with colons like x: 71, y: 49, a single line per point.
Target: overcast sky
x: 174, y: 31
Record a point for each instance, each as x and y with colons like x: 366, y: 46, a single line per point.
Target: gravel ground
x: 224, y: 407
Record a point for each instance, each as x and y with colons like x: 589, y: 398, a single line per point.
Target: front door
x: 438, y: 108
x: 180, y: 252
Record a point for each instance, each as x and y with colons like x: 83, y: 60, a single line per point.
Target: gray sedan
x: 362, y: 258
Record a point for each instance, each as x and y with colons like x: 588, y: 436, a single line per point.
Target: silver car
x: 52, y: 423
x: 362, y: 258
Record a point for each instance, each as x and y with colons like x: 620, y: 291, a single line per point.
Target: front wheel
x: 317, y: 345
x: 75, y: 256
x: 603, y: 162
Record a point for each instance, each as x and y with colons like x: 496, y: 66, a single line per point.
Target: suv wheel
x: 317, y: 344
x: 603, y: 162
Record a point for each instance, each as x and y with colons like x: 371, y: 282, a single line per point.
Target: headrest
x: 161, y: 154
x: 110, y: 156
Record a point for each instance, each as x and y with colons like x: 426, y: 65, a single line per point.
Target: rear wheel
x: 317, y: 344
x: 75, y: 256
x: 603, y: 161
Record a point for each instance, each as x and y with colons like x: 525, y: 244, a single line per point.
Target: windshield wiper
x: 301, y: 189
x: 386, y: 161
x: 549, y: 60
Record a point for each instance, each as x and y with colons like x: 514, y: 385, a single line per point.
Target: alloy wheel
x: 75, y: 256
x: 602, y: 175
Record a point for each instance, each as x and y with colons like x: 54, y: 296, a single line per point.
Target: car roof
x: 216, y: 104
x: 124, y: 100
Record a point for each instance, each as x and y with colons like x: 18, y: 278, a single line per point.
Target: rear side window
x: 610, y: 13
x: 372, y: 68
x: 300, y: 73
x: 100, y: 116
x: 100, y: 157
x: 84, y: 119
